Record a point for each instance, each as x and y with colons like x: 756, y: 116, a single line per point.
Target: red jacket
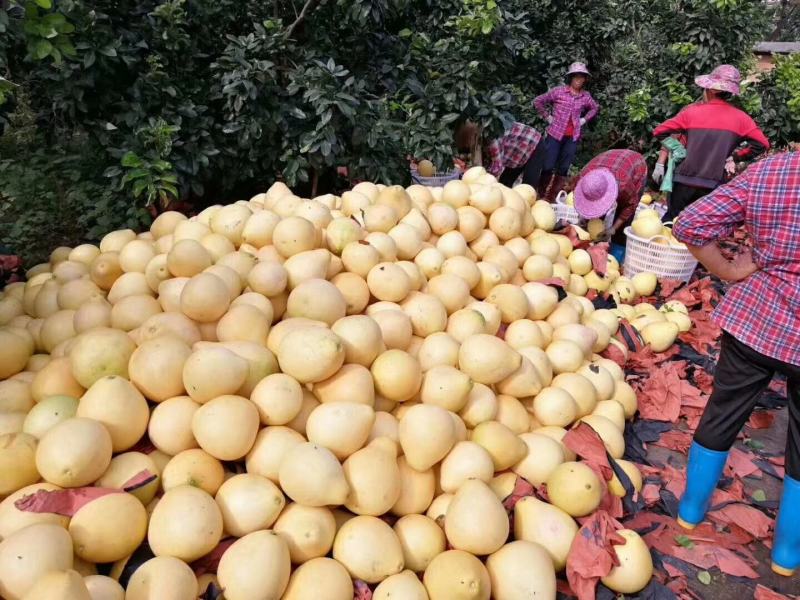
x: 713, y: 129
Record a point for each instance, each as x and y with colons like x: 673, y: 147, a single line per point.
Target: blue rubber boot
x: 786, y: 545
x: 702, y: 474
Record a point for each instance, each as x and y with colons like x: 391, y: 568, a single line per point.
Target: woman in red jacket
x: 713, y: 128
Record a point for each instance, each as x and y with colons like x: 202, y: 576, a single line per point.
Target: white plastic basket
x: 565, y: 212
x: 660, y: 208
x: 667, y: 262
x: 436, y: 180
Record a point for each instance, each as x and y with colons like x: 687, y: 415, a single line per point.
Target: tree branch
x: 309, y: 6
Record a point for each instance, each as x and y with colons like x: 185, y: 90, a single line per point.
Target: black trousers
x: 531, y: 171
x: 740, y: 376
x: 682, y: 196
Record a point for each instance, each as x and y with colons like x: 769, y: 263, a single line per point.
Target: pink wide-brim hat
x: 596, y: 193
x: 578, y: 68
x: 725, y: 78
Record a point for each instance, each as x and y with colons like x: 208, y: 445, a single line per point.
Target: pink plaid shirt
x: 512, y: 150
x: 563, y: 106
x: 763, y: 311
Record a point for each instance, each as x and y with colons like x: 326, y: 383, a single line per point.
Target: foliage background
x: 112, y: 105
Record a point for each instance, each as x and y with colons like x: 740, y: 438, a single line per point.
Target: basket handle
x: 561, y: 197
x: 655, y: 237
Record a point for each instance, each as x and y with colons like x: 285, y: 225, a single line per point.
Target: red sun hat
x: 596, y: 193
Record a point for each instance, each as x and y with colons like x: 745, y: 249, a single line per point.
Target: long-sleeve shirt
x: 630, y: 171
x: 512, y: 150
x: 565, y: 108
x: 713, y: 130
x: 763, y: 311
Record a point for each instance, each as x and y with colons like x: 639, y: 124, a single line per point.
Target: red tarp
x: 592, y: 555
x: 68, y: 502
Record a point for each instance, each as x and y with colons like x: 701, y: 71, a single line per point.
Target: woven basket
x: 565, y: 212
x: 667, y: 262
x: 436, y: 180
x: 661, y: 209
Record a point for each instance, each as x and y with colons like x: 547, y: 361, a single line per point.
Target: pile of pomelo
x: 348, y: 387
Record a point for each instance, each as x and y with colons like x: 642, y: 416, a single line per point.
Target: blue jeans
x: 559, y: 155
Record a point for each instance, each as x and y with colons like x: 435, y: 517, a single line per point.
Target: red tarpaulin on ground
x: 763, y: 593
x: 68, y: 502
x: 740, y: 464
x: 747, y: 517
x: 362, y: 591
x: 592, y: 555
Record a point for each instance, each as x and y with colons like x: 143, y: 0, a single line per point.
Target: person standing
x: 760, y: 320
x: 567, y: 109
x: 595, y: 196
x: 507, y: 157
x: 713, y: 129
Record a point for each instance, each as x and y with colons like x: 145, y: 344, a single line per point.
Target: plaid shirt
x: 763, y: 311
x: 564, y: 106
x: 512, y: 150
x: 630, y: 171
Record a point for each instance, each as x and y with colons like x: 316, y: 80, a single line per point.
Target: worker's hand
x: 658, y: 173
x: 549, y: 119
x: 583, y: 121
x: 730, y: 166
x: 605, y: 236
x: 741, y: 267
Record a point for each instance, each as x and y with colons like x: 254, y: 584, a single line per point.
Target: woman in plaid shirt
x: 567, y: 109
x: 507, y: 157
x: 760, y: 319
x: 629, y: 169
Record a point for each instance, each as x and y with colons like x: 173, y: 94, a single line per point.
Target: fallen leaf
x: 704, y: 577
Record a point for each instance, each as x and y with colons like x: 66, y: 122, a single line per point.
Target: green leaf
x: 131, y: 160
x: 404, y: 33
x: 66, y: 47
x: 704, y: 577
x: 684, y: 541
x: 759, y: 496
x: 41, y: 49
x: 45, y: 4
x: 108, y: 51
x: 139, y: 187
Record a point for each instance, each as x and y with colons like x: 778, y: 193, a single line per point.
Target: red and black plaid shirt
x: 630, y: 171
x: 512, y: 150
x: 763, y: 311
